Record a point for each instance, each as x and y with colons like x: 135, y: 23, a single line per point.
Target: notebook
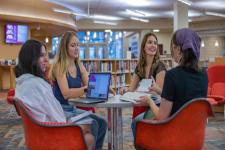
x: 98, y: 88
x: 133, y: 96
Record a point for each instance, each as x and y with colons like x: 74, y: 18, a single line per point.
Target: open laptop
x: 98, y: 88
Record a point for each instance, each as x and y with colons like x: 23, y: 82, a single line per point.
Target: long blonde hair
x: 61, y: 60
x: 142, y: 57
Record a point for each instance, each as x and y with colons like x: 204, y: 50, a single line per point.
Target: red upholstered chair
x: 216, y: 84
x: 49, y: 135
x: 138, y: 110
x: 10, y: 96
x: 185, y: 130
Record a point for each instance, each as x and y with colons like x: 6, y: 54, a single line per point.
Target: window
x: 94, y: 41
x: 82, y: 52
x: 92, y: 51
x: 101, y: 52
x: 115, y: 45
x: 55, y: 45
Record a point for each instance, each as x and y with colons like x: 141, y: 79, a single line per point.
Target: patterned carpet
x: 11, y: 130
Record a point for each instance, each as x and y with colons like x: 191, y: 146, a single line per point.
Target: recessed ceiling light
x: 108, y: 30
x: 105, y: 22
x: 203, y: 44
x: 156, y: 30
x: 103, y: 17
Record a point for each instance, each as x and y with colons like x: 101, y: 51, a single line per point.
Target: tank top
x: 72, y: 83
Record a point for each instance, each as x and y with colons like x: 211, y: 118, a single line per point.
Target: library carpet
x: 12, y: 137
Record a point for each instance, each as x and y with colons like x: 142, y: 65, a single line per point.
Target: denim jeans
x: 98, y: 127
x: 134, y: 122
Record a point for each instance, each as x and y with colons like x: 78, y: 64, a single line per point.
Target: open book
x: 133, y: 96
x: 144, y: 84
x: 82, y: 118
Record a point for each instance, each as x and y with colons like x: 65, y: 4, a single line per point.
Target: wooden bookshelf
x: 7, y: 77
x: 121, y: 70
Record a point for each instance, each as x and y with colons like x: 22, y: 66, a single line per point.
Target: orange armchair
x: 216, y: 84
x: 49, y: 135
x: 185, y: 130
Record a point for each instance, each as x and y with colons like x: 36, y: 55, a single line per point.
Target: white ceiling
x: 157, y: 9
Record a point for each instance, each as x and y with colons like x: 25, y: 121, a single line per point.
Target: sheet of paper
x: 144, y: 84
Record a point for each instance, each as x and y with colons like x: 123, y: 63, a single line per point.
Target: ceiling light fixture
x: 135, y: 13
x: 156, y: 30
x: 203, y: 44
x: 104, y: 17
x: 139, y: 19
x: 46, y: 40
x: 105, y: 22
x: 138, y: 13
x: 62, y: 11
x: 187, y: 2
x: 88, y: 15
x: 214, y: 14
x: 108, y: 30
x: 216, y: 44
x: 69, y: 12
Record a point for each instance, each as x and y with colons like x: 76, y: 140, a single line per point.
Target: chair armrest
x: 218, y: 98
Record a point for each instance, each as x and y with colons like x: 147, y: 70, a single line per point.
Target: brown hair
x: 142, y: 57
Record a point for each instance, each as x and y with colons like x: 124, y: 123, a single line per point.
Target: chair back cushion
x: 218, y: 88
x: 184, y: 130
x: 49, y: 136
x: 216, y: 74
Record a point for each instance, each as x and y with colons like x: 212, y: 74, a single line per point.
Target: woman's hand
x: 123, y: 90
x: 112, y: 91
x: 84, y: 89
x: 144, y: 100
x: 155, y: 88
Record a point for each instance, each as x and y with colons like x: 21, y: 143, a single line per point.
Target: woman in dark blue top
x: 70, y: 80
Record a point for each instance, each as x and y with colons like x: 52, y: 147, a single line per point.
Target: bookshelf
x: 121, y: 69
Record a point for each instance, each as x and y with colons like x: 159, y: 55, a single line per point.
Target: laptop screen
x: 98, y: 85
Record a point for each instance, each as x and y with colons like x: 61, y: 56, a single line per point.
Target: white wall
x: 210, y: 50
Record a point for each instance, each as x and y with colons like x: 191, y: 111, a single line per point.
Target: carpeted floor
x: 11, y: 130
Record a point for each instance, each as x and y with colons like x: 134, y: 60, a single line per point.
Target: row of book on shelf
x: 110, y: 66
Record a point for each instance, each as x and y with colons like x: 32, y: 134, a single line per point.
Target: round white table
x: 115, y: 131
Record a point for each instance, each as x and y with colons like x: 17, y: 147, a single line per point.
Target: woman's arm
x: 84, y: 74
x: 161, y: 112
x: 160, y: 78
x: 158, y: 84
x: 64, y: 87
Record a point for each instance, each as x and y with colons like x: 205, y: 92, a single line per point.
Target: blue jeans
x: 98, y: 127
x: 134, y: 122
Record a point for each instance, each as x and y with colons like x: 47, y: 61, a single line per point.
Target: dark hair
x: 29, y: 54
x: 188, y: 60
